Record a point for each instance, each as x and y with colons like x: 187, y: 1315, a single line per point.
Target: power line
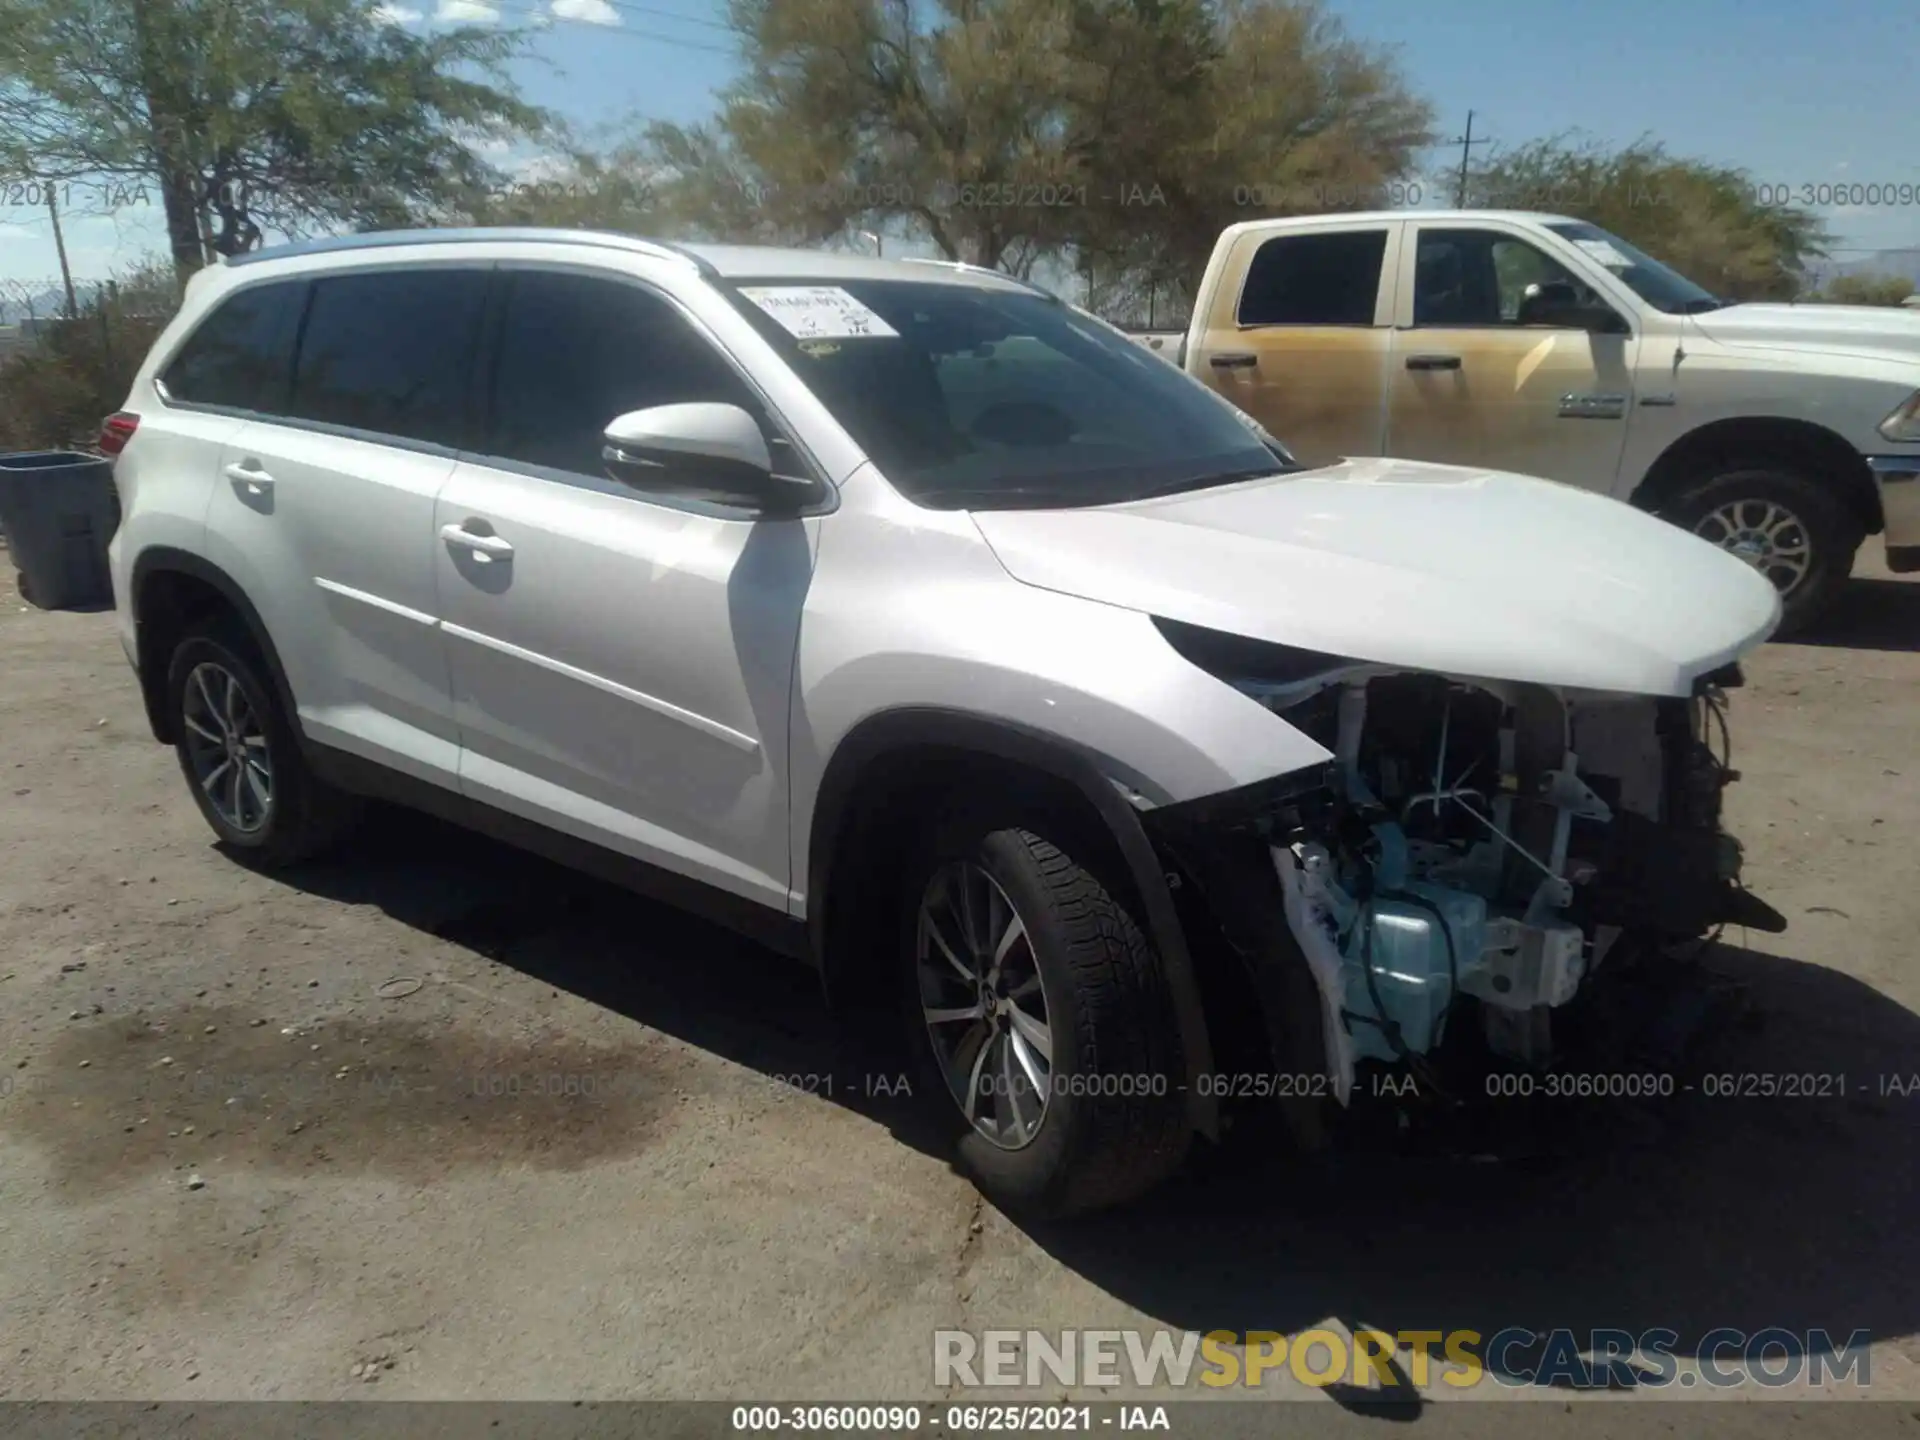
x: 1466, y: 143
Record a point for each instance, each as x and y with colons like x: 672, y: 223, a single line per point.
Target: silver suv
x: 920, y: 625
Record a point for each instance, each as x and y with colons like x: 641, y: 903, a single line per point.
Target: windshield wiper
x: 1701, y: 307
x: 1214, y: 479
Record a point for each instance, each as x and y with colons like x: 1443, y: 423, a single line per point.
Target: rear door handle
x: 484, y: 547
x: 248, y: 473
x: 1236, y: 360
x: 1433, y: 362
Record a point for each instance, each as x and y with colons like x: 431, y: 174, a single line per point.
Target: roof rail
x: 964, y: 268
x: 475, y: 235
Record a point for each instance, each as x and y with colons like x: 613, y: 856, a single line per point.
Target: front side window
x: 1483, y: 277
x: 1314, y: 279
x: 391, y: 352
x: 240, y: 356
x: 578, y: 352
x: 974, y: 398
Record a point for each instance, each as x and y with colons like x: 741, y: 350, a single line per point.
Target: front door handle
x: 485, y: 548
x: 1235, y: 360
x: 1433, y: 362
x: 249, y: 476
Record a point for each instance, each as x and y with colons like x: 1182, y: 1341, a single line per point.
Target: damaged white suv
x: 917, y: 623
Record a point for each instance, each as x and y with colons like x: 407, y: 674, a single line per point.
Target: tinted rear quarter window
x: 240, y: 356
x: 391, y: 352
x: 1314, y: 279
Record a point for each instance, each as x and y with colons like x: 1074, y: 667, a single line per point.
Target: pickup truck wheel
x: 1784, y: 524
x: 1040, y: 1018
x: 240, y: 755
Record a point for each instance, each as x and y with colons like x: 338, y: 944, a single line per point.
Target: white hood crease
x: 1427, y: 567
x: 1864, y: 330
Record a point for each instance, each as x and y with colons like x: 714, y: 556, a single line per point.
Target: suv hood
x: 1429, y: 567
x: 1874, y: 330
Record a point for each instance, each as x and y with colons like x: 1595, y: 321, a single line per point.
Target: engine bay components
x: 1486, y: 846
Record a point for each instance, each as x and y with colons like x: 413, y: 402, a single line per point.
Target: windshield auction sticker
x: 1604, y: 252
x: 817, y: 312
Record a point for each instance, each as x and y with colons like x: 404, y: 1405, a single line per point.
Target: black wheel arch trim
x: 1078, y: 767
x: 152, y: 668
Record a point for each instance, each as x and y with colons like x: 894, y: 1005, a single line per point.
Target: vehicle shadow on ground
x: 1870, y: 614
x: 1747, y: 1209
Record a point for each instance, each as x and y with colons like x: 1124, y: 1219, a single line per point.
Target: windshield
x: 1660, y: 287
x: 975, y: 398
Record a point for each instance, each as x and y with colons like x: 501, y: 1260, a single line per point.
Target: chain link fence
x: 67, y: 358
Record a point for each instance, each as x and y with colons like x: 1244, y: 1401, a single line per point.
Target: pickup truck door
x: 1476, y: 382
x: 1298, y: 333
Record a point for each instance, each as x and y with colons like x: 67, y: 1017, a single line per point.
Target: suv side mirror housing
x: 701, y: 450
x: 1556, y: 303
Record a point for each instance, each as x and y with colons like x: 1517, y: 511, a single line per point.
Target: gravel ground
x: 259, y: 1137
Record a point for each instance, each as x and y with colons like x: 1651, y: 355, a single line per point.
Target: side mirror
x: 701, y: 450
x: 1556, y: 303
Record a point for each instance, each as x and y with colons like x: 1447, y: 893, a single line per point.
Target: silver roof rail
x: 964, y: 268
x: 474, y: 235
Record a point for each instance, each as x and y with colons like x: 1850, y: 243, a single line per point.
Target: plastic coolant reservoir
x: 1408, y: 955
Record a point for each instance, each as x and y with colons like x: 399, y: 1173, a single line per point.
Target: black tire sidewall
x: 1039, y: 1178
x: 1832, y: 533
x: 289, y: 767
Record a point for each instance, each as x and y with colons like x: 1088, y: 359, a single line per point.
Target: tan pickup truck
x: 1541, y: 344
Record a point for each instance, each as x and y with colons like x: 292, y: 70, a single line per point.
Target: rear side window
x: 577, y: 352
x: 1314, y: 279
x: 240, y: 356
x: 391, y: 352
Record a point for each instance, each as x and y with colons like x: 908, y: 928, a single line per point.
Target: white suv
x: 921, y: 625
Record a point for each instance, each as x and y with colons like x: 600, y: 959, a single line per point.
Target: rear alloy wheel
x: 1041, y: 1019
x: 226, y: 748
x: 1786, y: 525
x: 240, y: 753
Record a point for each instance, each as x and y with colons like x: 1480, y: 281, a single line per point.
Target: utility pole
x: 1466, y: 143
x: 60, y: 248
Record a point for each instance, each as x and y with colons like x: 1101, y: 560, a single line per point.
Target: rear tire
x: 1787, y: 525
x: 241, y: 755
x: 1108, y: 1120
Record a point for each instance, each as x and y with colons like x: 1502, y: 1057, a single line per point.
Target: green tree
x: 1865, y: 290
x: 251, y: 116
x: 1710, y: 222
x: 1121, y: 135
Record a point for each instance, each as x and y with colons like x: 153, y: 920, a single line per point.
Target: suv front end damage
x: 1475, y: 853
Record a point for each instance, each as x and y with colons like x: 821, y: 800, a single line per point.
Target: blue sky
x: 1801, y: 94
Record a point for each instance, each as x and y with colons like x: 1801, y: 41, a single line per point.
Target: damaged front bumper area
x: 1472, y: 857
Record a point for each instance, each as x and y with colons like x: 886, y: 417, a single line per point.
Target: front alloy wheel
x: 1040, y: 1018
x: 984, y: 1003
x: 1765, y: 534
x: 226, y: 748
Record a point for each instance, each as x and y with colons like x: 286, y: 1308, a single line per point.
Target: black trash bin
x: 59, y: 509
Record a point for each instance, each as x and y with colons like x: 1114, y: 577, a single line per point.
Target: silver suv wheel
x: 984, y: 1004
x: 227, y: 748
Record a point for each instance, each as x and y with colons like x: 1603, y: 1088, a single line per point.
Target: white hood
x: 1430, y: 567
x: 1832, y: 329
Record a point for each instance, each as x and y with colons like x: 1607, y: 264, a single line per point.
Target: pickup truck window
x: 1314, y: 279
x: 1480, y: 277
x: 975, y: 398
x: 1664, y: 289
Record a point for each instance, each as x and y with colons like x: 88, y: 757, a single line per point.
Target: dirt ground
x: 259, y: 1134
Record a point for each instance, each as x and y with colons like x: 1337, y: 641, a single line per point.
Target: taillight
x: 116, y: 430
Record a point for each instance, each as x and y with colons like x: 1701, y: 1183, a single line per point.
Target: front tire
x: 1787, y: 525
x: 241, y: 756
x: 1041, y: 1020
